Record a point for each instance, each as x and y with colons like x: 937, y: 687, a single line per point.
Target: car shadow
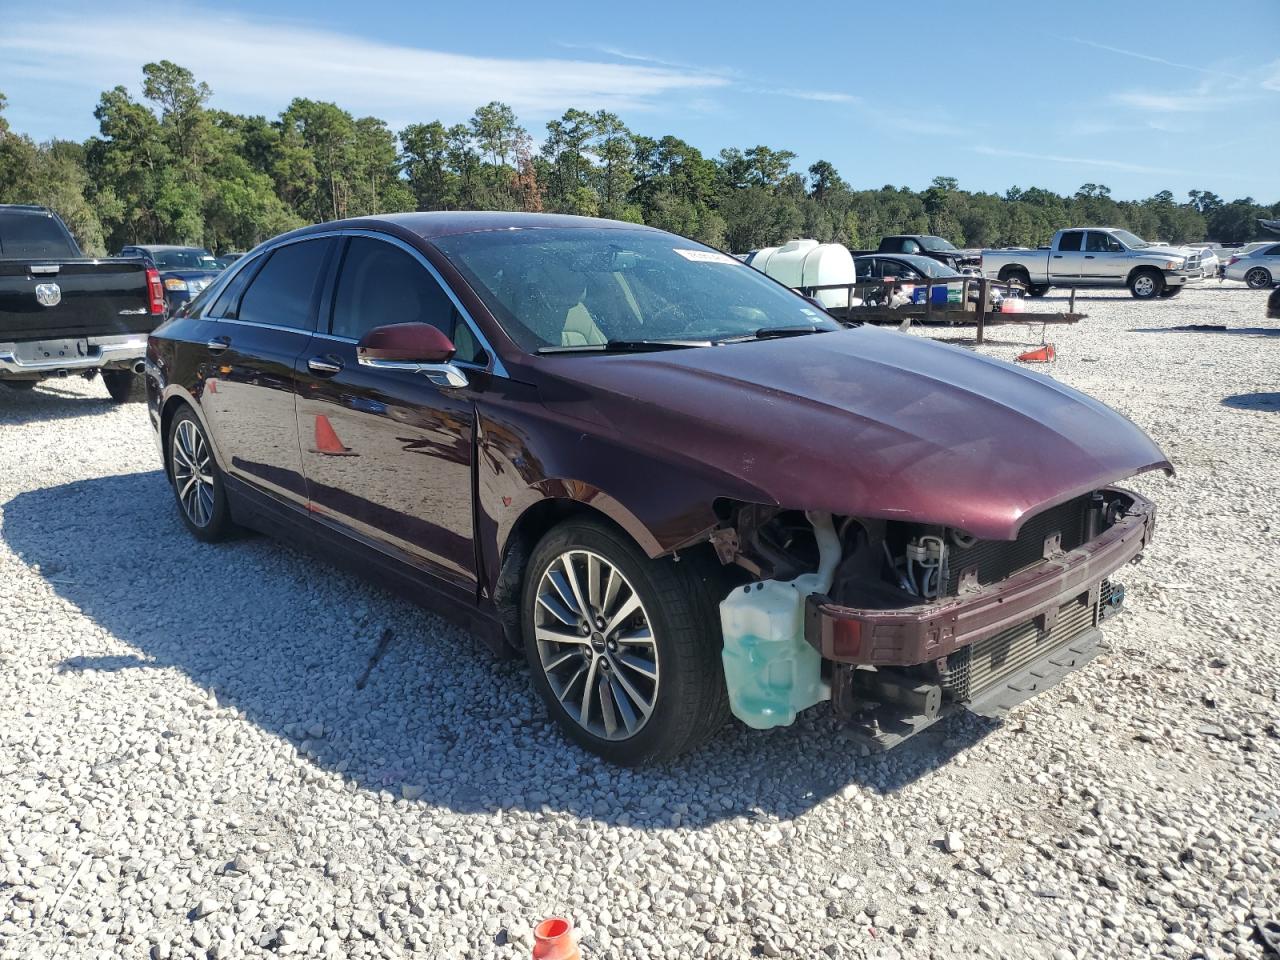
x: 243, y: 620
x: 1254, y: 401
x: 48, y: 401
x: 1213, y: 328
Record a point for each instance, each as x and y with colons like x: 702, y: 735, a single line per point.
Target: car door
x: 258, y: 328
x: 388, y: 453
x: 1067, y: 259
x: 1103, y: 260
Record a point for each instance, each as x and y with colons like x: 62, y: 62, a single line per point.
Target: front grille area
x: 978, y: 667
x: 993, y: 560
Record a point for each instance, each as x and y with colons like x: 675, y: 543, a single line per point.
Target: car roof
x: 162, y: 246
x: 440, y: 223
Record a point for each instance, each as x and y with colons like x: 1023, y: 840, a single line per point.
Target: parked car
x: 64, y: 314
x: 185, y: 271
x: 224, y: 260
x: 936, y: 248
x: 1099, y: 257
x: 635, y: 458
x: 1273, y: 304
x: 1258, y: 267
x: 921, y: 269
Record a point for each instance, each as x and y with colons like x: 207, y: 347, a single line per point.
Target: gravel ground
x: 235, y: 750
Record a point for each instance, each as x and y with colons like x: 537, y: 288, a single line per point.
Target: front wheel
x: 624, y: 650
x: 1259, y: 278
x: 1038, y: 289
x: 197, y: 481
x: 124, y: 386
x: 1146, y: 284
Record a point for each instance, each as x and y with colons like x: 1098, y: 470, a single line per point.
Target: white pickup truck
x: 1100, y: 257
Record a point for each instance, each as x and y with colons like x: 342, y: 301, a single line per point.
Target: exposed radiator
x: 975, y: 668
x: 993, y: 560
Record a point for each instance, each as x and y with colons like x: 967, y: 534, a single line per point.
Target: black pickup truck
x: 63, y: 314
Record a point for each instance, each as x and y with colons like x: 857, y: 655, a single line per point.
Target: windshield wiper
x: 626, y: 346
x: 774, y: 333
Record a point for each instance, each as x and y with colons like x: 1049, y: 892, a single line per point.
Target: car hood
x: 188, y: 273
x: 1166, y: 250
x: 864, y: 422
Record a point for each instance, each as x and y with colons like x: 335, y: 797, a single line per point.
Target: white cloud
x: 1170, y: 102
x: 821, y: 96
x: 1103, y: 162
x: 256, y: 64
x: 1152, y: 59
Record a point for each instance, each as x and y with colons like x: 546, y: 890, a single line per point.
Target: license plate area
x: 48, y: 351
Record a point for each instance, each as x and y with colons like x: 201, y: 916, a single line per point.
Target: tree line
x: 170, y: 169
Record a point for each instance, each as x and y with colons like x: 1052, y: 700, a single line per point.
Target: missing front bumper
x: 886, y: 706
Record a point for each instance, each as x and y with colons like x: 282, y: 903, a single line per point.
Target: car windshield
x: 592, y: 288
x: 1132, y: 241
x: 189, y: 258
x: 936, y: 244
x: 929, y: 267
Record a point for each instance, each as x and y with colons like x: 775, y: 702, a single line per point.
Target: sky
x: 1140, y: 97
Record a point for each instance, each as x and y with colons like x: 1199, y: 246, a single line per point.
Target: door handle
x: 1088, y: 256
x: 324, y: 366
x: 1057, y: 256
x: 218, y: 344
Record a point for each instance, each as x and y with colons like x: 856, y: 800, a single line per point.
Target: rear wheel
x: 624, y: 650
x: 125, y: 386
x: 197, y: 481
x: 1259, y: 278
x: 1146, y: 284
x: 1038, y: 289
x: 21, y: 385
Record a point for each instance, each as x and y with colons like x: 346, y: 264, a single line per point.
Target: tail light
x: 1232, y: 260
x: 155, y: 291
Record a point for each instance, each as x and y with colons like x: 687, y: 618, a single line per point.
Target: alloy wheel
x: 596, y: 645
x: 1144, y: 286
x: 1258, y: 278
x: 193, y: 473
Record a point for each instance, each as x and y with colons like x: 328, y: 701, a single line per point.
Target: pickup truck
x: 62, y: 313
x: 1099, y: 257
x: 936, y: 248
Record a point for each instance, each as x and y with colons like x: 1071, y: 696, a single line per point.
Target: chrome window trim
x: 494, y: 365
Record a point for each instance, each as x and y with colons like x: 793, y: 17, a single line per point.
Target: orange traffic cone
x: 553, y: 940
x: 327, y: 441
x: 1040, y: 355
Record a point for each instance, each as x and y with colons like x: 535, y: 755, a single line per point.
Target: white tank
x: 808, y: 263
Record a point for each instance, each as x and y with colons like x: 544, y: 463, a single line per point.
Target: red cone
x: 553, y: 940
x: 327, y: 441
x: 1041, y: 355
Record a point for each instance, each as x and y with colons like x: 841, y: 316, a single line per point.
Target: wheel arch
x: 174, y: 400
x: 1143, y: 268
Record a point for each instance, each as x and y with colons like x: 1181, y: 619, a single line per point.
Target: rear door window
x: 1070, y: 241
x: 381, y: 284
x: 31, y: 236
x: 283, y: 294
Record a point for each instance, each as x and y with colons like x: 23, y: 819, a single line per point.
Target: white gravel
x: 188, y: 767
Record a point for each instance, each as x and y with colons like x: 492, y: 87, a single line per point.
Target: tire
x: 686, y: 697
x: 20, y: 385
x: 203, y: 511
x: 1146, y: 284
x: 125, y: 386
x: 1259, y: 278
x: 1018, y: 275
x: 1168, y: 292
x: 1037, y: 290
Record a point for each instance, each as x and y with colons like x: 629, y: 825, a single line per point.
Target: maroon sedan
x: 679, y: 487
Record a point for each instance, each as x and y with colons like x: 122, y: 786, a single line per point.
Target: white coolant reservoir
x: 771, y: 671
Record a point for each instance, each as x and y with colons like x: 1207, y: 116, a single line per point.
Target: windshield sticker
x: 704, y: 256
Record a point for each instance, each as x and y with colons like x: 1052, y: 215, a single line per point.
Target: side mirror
x: 411, y: 348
